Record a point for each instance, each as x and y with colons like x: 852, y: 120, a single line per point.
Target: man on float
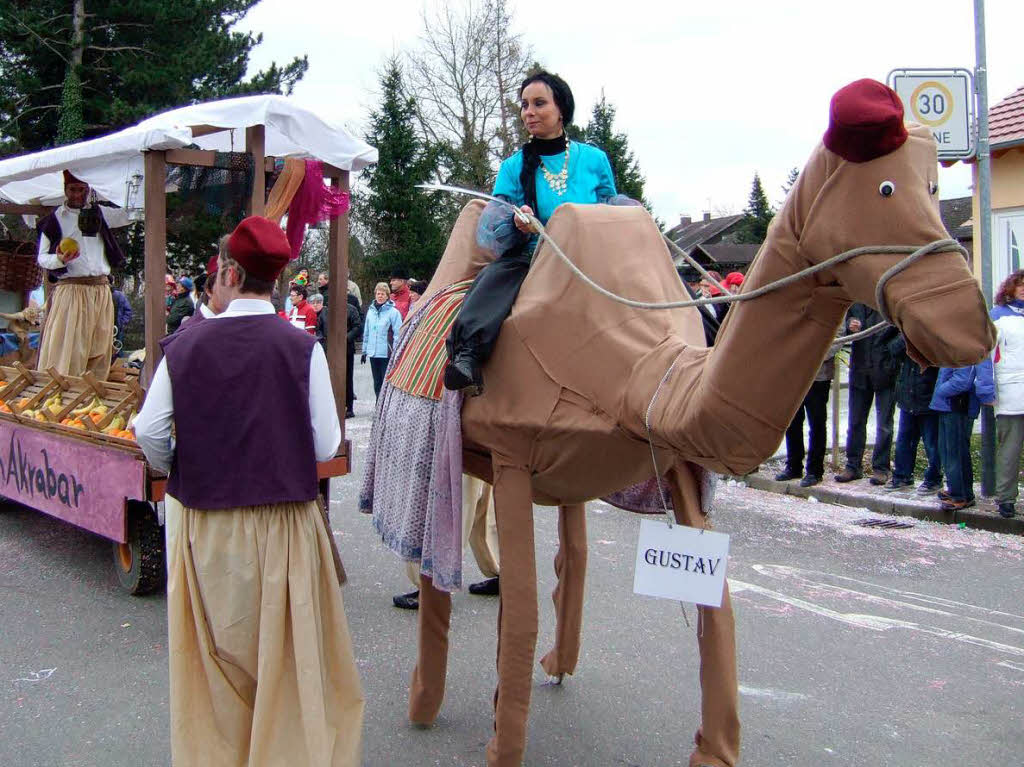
x: 262, y: 670
x: 78, y: 249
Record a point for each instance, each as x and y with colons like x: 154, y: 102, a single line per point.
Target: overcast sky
x: 709, y: 93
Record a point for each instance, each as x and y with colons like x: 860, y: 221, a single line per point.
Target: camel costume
x: 262, y: 671
x: 562, y: 419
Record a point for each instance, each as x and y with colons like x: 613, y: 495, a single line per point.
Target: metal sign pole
x: 988, y: 436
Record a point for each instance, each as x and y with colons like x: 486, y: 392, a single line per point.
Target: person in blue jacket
x: 959, y: 394
x: 380, y: 329
x: 549, y: 170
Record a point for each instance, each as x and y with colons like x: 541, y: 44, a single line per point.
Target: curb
x: 900, y: 507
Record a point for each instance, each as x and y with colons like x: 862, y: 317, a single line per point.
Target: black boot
x: 463, y: 374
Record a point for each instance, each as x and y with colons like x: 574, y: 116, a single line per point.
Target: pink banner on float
x: 70, y: 479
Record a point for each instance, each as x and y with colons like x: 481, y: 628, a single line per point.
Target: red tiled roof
x: 1006, y: 120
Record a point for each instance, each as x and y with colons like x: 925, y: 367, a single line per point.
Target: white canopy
x: 110, y: 163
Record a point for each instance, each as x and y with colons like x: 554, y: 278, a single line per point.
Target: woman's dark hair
x: 562, y: 94
x: 1006, y: 291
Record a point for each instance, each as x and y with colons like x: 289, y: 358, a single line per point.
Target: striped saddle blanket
x: 419, y: 368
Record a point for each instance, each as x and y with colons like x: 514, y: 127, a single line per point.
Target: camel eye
x: 933, y: 188
x: 886, y: 189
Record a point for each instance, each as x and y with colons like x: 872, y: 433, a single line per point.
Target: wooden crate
x: 26, y: 390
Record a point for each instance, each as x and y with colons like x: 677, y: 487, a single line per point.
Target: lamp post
x: 988, y: 431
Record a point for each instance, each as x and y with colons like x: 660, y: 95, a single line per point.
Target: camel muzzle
x: 945, y: 325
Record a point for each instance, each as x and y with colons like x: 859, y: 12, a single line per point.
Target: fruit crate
x: 81, y: 407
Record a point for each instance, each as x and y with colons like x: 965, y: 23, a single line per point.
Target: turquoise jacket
x: 376, y: 325
x: 590, y: 179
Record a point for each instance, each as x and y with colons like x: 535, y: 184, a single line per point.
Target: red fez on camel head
x: 260, y: 247
x: 865, y: 121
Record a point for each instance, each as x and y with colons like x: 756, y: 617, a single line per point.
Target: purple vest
x: 50, y: 226
x: 241, y: 411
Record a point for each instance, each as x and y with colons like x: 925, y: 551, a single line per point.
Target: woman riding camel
x: 549, y: 170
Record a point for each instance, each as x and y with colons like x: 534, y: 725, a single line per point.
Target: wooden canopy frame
x: 155, y: 223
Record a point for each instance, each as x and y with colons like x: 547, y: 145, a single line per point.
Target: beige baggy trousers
x: 79, y: 330
x: 262, y: 671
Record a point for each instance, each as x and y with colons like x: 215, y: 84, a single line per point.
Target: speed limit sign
x: 942, y: 100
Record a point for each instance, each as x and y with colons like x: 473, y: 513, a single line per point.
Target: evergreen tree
x: 133, y: 58
x: 69, y: 126
x: 756, y: 216
x: 398, y: 217
x: 600, y: 132
x: 794, y: 173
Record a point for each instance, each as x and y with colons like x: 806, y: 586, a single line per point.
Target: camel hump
x: 463, y: 258
x: 584, y: 340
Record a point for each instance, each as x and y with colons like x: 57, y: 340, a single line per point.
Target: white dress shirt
x: 92, y: 260
x: 153, y: 423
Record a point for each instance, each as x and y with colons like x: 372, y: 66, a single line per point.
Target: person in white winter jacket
x: 1008, y: 372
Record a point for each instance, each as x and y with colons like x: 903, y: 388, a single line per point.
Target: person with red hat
x: 78, y: 250
x: 262, y: 670
x: 209, y: 302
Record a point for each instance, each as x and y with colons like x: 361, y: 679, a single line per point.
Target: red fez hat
x: 211, y: 266
x: 865, y: 121
x: 69, y: 179
x: 260, y: 247
x: 733, y: 278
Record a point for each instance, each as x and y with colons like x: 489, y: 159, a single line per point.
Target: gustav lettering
x: 673, y: 560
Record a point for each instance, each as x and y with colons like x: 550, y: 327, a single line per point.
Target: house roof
x: 1006, y: 121
x: 956, y: 217
x: 730, y: 252
x: 687, y: 236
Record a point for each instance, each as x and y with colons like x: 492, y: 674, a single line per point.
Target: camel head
x: 875, y: 182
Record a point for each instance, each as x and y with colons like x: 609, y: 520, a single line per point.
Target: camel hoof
x: 555, y: 680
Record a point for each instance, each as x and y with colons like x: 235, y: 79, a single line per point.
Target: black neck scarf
x: 532, y: 152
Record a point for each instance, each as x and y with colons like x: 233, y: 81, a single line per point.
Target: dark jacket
x: 321, y: 327
x: 355, y: 323
x: 914, y: 389
x: 181, y: 308
x: 874, y: 361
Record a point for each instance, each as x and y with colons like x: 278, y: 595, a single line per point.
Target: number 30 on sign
x: 931, y: 103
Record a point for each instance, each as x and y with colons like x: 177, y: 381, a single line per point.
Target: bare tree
x: 464, y: 76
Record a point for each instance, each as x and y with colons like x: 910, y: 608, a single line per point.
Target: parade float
x: 65, y: 444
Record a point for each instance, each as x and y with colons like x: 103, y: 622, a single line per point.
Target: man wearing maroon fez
x: 77, y: 248
x: 209, y: 304
x: 261, y: 665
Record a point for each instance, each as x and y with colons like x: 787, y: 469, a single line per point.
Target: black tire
x: 140, y: 563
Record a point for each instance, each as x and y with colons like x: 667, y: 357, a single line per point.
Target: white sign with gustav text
x: 681, y: 563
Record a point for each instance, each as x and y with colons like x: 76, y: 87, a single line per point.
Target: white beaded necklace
x: 557, y: 181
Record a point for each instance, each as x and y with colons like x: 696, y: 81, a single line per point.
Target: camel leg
x: 517, y: 615
x: 571, y: 571
x: 718, y: 737
x: 426, y: 691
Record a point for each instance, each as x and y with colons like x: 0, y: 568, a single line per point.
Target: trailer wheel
x: 140, y: 562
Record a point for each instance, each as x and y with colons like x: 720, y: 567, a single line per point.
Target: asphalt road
x: 856, y: 646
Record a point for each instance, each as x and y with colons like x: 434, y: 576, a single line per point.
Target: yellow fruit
x: 68, y: 246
